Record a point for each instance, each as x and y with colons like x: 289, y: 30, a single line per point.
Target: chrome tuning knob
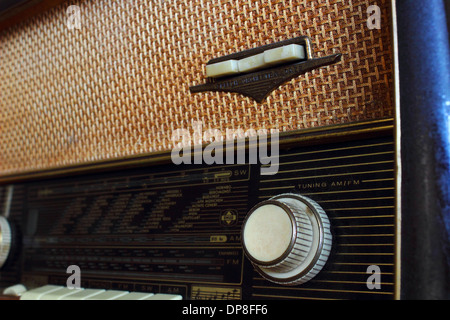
x: 287, y: 238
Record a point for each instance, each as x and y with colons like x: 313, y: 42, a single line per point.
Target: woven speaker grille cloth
x: 119, y: 86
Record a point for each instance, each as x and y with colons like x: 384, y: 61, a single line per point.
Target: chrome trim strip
x: 397, y: 140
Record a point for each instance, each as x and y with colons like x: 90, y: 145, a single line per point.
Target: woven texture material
x: 119, y: 86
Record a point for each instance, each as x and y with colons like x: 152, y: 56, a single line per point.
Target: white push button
x: 135, y: 296
x: 108, y: 295
x: 252, y: 63
x: 222, y: 69
x: 36, y: 294
x: 59, y: 294
x: 284, y: 54
x: 268, y: 58
x: 161, y: 296
x: 83, y: 294
x: 16, y: 290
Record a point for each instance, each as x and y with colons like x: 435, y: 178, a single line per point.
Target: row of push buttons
x: 52, y: 292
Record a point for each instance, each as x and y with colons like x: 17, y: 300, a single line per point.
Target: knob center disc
x: 268, y: 233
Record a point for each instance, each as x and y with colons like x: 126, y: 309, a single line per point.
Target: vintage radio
x: 223, y: 150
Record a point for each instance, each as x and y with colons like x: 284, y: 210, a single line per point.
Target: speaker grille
x: 119, y: 86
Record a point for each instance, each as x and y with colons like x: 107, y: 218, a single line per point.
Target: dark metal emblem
x: 259, y: 82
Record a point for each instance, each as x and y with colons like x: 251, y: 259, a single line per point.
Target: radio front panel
x: 178, y: 229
